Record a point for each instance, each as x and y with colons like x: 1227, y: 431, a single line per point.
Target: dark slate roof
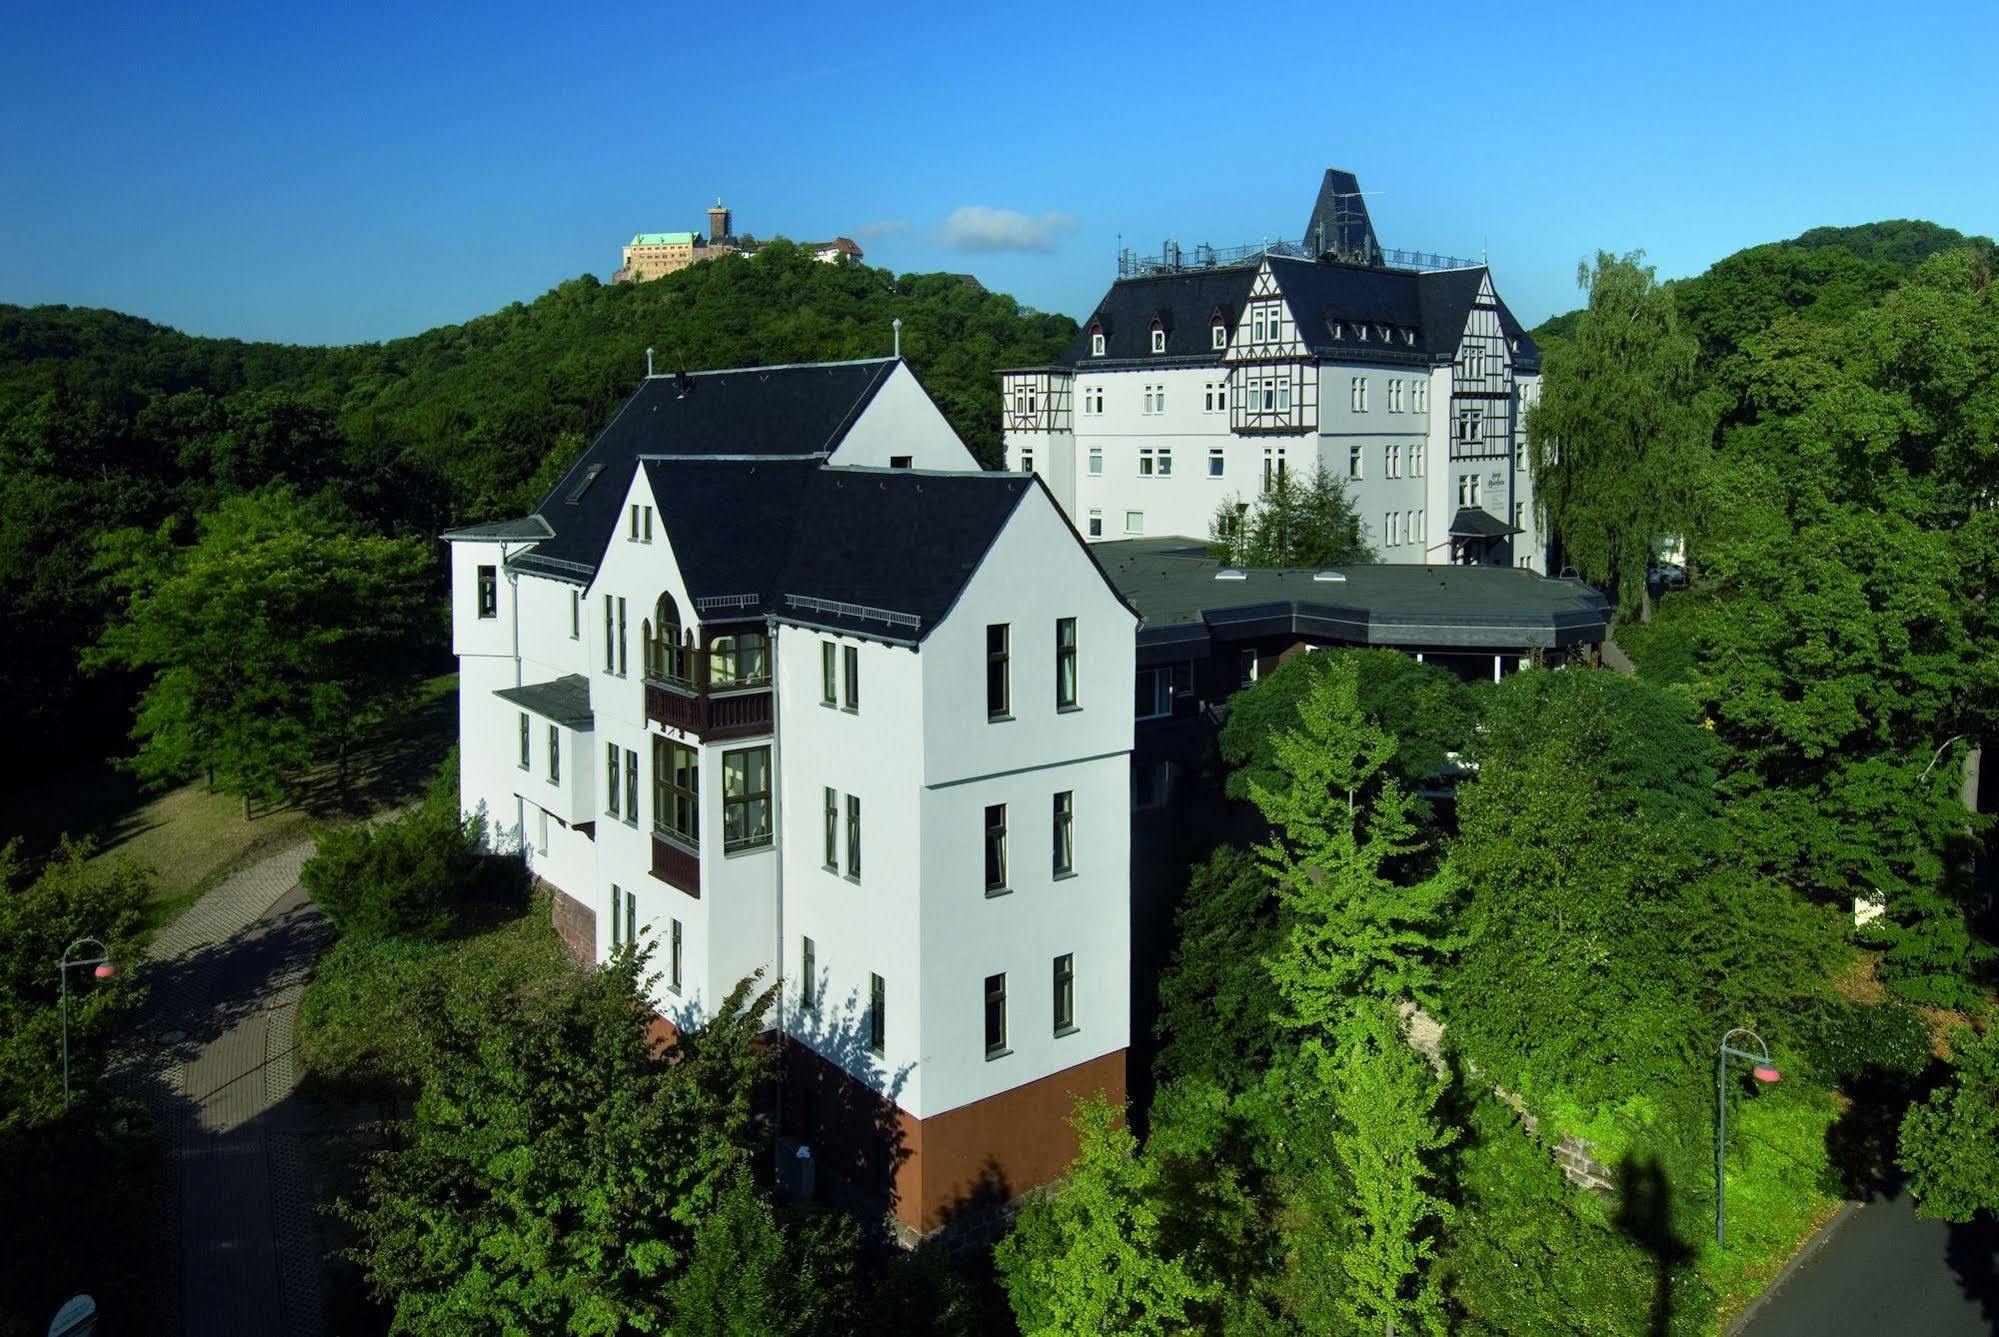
x: 1434, y: 305
x: 755, y: 412
x: 565, y: 700
x: 1490, y: 609
x: 1353, y: 237
x: 528, y: 528
x: 884, y: 552
x: 1183, y: 303
x: 1475, y: 522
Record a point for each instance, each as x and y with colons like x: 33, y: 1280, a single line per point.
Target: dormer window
x: 1336, y: 329
x: 1362, y: 331
x: 1219, y: 334
x: 1158, y: 338
x: 1096, y: 343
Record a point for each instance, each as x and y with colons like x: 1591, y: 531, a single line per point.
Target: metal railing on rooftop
x: 859, y: 612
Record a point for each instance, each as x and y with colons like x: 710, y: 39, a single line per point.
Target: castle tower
x: 718, y: 221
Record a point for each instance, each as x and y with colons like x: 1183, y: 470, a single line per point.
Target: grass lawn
x: 189, y: 838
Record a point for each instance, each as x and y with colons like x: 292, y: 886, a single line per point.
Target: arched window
x: 666, y: 646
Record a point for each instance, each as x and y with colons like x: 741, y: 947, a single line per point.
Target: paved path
x: 211, y: 1056
x: 1886, y: 1271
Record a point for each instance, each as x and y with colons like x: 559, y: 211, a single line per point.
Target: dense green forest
x: 108, y: 423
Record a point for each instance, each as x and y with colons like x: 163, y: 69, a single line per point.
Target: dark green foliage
x: 1950, y: 1143
x: 558, y: 1167
x: 1901, y: 242
x: 1291, y: 524
x: 1428, y: 709
x: 1666, y: 649
x: 1605, y: 925
x: 1216, y: 999
x: 40, y: 916
x: 1844, y: 1041
x: 409, y: 876
x: 751, y: 1276
x: 1617, y: 437
x: 271, y: 642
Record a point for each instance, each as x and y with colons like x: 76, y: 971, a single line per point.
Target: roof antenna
x: 648, y: 364
x: 897, y: 322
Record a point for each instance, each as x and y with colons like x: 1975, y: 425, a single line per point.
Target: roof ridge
x: 774, y: 366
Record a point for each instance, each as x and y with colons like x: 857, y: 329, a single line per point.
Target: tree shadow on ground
x: 1645, y: 1214
x: 1973, y: 1255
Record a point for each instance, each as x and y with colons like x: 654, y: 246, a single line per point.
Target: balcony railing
x: 708, y: 715
x: 676, y: 866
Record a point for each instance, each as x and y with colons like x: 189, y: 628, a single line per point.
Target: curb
x: 1799, y: 1259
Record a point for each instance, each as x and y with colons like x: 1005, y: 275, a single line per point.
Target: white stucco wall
x: 901, y: 419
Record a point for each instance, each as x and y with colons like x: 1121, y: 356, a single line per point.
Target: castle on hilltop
x: 651, y: 254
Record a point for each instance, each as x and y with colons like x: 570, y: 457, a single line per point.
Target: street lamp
x: 1763, y: 1072
x: 104, y: 971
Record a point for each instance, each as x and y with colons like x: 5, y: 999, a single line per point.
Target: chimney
x: 897, y: 322
x: 648, y: 364
x: 718, y: 221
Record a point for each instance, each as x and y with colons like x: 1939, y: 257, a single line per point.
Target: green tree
x: 1090, y: 1259
x: 1618, y: 435
x: 1344, y: 835
x: 1950, y: 1143
x: 1216, y: 999
x: 272, y: 641
x: 407, y: 876
x: 1291, y: 524
x: 558, y: 1165
x: 751, y: 1276
x: 1388, y: 1138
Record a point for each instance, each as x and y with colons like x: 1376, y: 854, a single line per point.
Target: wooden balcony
x: 675, y: 866
x: 708, y: 716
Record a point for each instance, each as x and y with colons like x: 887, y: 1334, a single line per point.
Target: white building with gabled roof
x: 776, y: 680
x: 1195, y: 386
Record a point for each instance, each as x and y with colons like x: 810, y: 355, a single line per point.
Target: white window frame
x: 1096, y: 343
x: 1131, y: 528
x: 1096, y: 524
x: 1216, y: 464
x: 1096, y: 461
x: 1158, y: 339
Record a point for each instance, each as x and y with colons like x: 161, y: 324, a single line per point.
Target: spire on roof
x: 1339, y: 225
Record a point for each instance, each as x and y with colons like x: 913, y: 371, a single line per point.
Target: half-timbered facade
x: 1190, y: 390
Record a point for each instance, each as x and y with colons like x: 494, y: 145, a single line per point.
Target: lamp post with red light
x: 104, y: 970
x: 1763, y: 1072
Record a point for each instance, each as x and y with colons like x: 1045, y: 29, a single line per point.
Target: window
x: 851, y: 680
x: 1475, y: 362
x: 676, y: 791
x: 576, y: 615
x: 1388, y: 530
x: 995, y: 1015
x: 1065, y: 993
x: 1065, y: 663
x: 1166, y: 461
x: 1394, y: 395
x: 1218, y: 335
x: 624, y: 917
x: 1065, y: 833
x: 611, y: 776
x: 631, y: 787
x: 740, y: 660
x: 641, y: 531
x: 1356, y: 461
x: 808, y: 975
x: 1215, y: 397
x: 1134, y: 522
x: 1145, y: 461
x: 877, y: 1014
x: 999, y: 696
x: 610, y: 625
x: 617, y: 905
x: 1392, y: 461
x: 1471, y: 427
x: 853, y: 838
x: 1096, y: 524
x: 1250, y: 667
x: 1417, y: 450
x: 667, y: 648
x: 828, y: 688
x: 1096, y: 461
x: 621, y: 636
x: 1214, y: 461
x: 676, y: 962
x: 995, y: 848
x: 1256, y: 326
x: 1420, y: 397
x: 1422, y: 526
x: 554, y: 755
x: 489, y: 591
x: 1468, y: 489
x: 1158, y: 686
x: 1359, y: 393
x: 1026, y: 461
x: 1093, y: 399
x: 901, y: 461
x: 1158, y: 339
x: 1284, y: 395
x: 1096, y: 345
x: 832, y: 830
x: 1151, y: 785
x: 1273, y: 467
x: 1520, y: 515
x: 525, y: 759
x: 746, y: 798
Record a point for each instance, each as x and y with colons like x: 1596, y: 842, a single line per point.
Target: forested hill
x: 109, y: 422
x: 1828, y: 272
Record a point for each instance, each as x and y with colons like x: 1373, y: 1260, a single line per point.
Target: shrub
x: 408, y: 877
x: 1845, y: 1041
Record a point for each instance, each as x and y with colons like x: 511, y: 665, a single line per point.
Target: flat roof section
x: 1173, y: 584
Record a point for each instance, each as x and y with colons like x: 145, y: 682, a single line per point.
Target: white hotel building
x: 776, y: 679
x: 1195, y: 385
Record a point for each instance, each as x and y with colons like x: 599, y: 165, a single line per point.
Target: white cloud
x: 887, y: 227
x: 977, y: 227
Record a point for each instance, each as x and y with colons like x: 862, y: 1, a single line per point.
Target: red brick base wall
x: 575, y: 923
x: 951, y: 1165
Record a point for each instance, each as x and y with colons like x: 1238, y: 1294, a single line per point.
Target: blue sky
x: 347, y: 173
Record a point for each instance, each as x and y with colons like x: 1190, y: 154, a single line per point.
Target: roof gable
x: 1182, y: 304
